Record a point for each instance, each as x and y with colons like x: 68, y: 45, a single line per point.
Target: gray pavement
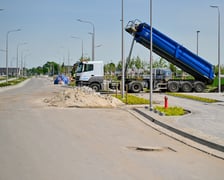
x: 204, y: 121
x: 41, y: 142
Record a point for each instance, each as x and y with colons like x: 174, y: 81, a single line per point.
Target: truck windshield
x: 80, y: 68
x: 84, y: 67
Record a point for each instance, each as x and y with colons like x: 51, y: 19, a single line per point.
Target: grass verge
x: 13, y: 82
x: 171, y: 111
x: 196, y: 98
x: 131, y: 99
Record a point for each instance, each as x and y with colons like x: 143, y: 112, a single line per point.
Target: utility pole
x: 151, y: 77
x: 122, y: 49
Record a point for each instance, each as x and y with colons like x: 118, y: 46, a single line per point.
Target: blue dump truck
x: 91, y: 73
x: 165, y: 47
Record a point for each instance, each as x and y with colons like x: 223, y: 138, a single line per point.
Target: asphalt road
x: 40, y: 142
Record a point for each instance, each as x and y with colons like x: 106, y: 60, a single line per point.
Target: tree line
x: 135, y: 65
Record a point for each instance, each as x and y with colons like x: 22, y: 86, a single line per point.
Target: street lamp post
x: 93, y: 45
x: 151, y: 77
x: 82, y: 43
x: 197, y: 40
x: 219, y: 69
x: 93, y: 37
x: 23, y: 61
x: 17, y: 58
x: 122, y: 49
x: 7, y: 39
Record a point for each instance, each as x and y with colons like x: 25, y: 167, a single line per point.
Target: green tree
x: 138, y: 63
x: 119, y: 66
x: 109, y: 68
x: 145, y: 65
x: 84, y: 59
x: 62, y: 69
x: 36, y: 71
x: 172, y: 67
x: 161, y: 63
x: 216, y: 70
x: 112, y: 68
x: 106, y: 68
x: 51, y: 68
x: 131, y: 63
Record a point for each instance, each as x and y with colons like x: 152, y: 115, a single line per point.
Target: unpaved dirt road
x: 38, y: 142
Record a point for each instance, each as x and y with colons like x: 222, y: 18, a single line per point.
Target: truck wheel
x: 95, y: 87
x: 173, y: 86
x: 199, y: 86
x: 186, y: 87
x: 136, y: 87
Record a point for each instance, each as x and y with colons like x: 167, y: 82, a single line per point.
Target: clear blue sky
x: 47, y: 26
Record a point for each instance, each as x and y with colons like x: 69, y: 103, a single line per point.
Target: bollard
x: 166, y: 102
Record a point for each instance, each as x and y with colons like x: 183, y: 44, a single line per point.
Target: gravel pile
x: 81, y: 97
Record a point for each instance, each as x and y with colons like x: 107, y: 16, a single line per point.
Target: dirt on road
x: 81, y: 97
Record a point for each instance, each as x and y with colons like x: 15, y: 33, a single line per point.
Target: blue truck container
x: 173, y: 52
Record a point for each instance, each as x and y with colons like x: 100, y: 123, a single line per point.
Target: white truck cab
x: 90, y: 73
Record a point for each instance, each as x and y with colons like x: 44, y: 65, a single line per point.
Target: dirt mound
x: 82, y: 97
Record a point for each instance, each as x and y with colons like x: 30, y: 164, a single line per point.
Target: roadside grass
x: 134, y: 100
x: 13, y: 82
x: 2, y: 78
x: 131, y: 99
x: 171, y: 111
x: 196, y: 98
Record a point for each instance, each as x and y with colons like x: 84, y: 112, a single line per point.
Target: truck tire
x: 186, y: 87
x: 95, y: 86
x: 199, y: 87
x: 136, y: 87
x: 173, y: 86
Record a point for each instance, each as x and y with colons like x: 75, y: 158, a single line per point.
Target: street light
x: 93, y: 37
x: 197, y: 40
x: 93, y: 45
x: 122, y: 50
x: 23, y: 63
x: 82, y: 43
x: 7, y: 39
x: 98, y: 45
x: 151, y: 77
x: 17, y: 57
x: 219, y: 69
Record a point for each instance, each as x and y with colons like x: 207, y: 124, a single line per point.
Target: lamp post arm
x: 93, y: 38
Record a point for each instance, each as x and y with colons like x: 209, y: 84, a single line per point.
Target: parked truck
x: 91, y: 73
x: 165, y: 47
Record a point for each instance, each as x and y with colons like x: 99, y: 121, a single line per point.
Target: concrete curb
x: 197, y: 142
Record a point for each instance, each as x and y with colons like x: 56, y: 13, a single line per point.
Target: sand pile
x: 81, y: 97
